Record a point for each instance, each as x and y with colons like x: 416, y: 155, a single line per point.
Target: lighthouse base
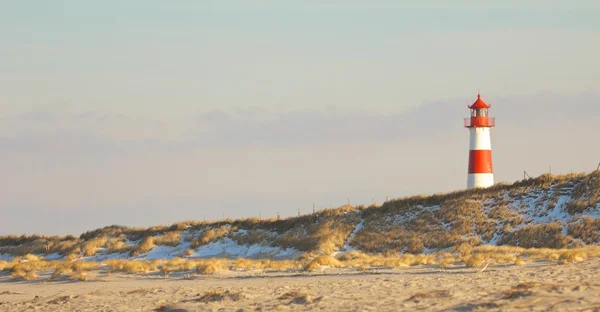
x: 480, y: 180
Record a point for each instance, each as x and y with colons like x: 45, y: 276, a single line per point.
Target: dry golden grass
x: 73, y: 270
x: 91, y: 246
x: 446, y: 261
x: 547, y: 235
x: 172, y: 238
x: 247, y: 265
x: 573, y: 256
x: 60, y: 271
x: 132, y: 266
x: 311, y: 267
x: 210, y: 267
x: 29, y: 267
x: 72, y: 256
x: 30, y: 257
x: 585, y: 194
x: 167, y: 267
x: 585, y: 229
x: 519, y: 261
x: 253, y: 236
x: 279, y: 265
x: 284, y: 265
x: 143, y: 247
x: 474, y: 261
x: 118, y: 245
x: 423, y: 259
x: 26, y: 268
x: 79, y: 276
x: 23, y: 275
x: 354, y: 254
x: 322, y: 261
x: 178, y: 264
x: 357, y: 259
x: 211, y: 235
x: 37, y: 244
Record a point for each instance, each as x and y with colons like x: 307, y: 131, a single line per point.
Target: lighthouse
x: 479, y: 124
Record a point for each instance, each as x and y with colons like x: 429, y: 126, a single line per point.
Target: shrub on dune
x: 25, y: 271
x: 130, y: 266
x: 247, y: 264
x: 31, y: 258
x: 210, y: 267
x: 23, y: 275
x: 285, y: 265
x: 446, y: 261
x: 137, y: 266
x: 423, y: 259
x: 69, y: 269
x: 91, y: 246
x: 146, y: 245
x: 210, y: 236
x: 354, y: 254
x: 80, y: 265
x: 172, y: 238
x: 329, y: 261
x: 519, y: 261
x: 79, y: 276
x: 118, y: 245
x: 321, y: 261
x: 178, y: 264
x: 311, y: 266
x: 572, y: 256
x: 61, y: 271
x: 474, y: 261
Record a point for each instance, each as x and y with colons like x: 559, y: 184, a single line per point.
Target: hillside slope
x: 548, y: 211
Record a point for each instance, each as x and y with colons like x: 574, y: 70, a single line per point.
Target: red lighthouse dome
x: 479, y: 103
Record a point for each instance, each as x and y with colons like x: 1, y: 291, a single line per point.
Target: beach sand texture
x: 536, y: 286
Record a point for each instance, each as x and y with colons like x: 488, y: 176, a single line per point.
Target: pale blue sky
x: 159, y: 111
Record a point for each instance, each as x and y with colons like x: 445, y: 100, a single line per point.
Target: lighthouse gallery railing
x: 480, y: 121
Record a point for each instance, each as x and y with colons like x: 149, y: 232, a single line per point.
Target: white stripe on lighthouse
x: 480, y: 139
x: 480, y: 180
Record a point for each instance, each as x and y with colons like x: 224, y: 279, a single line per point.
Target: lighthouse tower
x: 480, y: 151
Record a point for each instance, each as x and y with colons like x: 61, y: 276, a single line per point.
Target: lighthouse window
x: 480, y: 112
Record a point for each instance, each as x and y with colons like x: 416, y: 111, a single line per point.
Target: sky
x: 141, y: 113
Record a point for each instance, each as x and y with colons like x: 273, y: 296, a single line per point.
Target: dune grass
x: 31, y: 267
x: 146, y: 245
x: 171, y: 238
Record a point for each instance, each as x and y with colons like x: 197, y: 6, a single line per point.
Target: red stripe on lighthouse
x: 480, y: 161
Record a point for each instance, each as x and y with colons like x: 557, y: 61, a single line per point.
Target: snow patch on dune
x: 228, y: 248
x: 357, y: 229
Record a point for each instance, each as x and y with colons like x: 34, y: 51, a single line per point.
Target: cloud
x: 340, y: 126
x: 37, y: 116
x: 103, y: 134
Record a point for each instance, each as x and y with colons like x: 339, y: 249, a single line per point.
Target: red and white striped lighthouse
x: 480, y: 151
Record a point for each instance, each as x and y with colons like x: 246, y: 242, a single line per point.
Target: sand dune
x: 535, y: 286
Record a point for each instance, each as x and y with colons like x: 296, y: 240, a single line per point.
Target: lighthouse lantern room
x: 480, y: 151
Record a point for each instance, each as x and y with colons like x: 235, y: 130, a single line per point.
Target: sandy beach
x: 537, y: 286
